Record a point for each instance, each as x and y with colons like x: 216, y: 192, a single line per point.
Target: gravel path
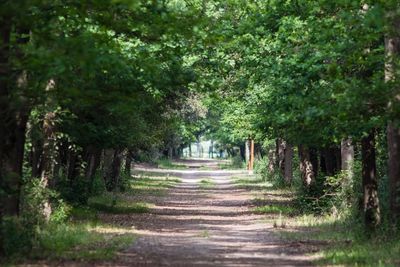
x: 193, y: 226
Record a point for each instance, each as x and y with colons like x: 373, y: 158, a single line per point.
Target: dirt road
x: 195, y: 225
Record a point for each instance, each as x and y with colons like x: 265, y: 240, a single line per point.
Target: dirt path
x: 193, y: 226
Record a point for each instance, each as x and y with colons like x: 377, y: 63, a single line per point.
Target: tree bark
x: 370, y: 182
x: 280, y: 155
x: 330, y: 160
x: 5, y: 131
x: 113, y: 171
x: 128, y: 163
x: 271, y: 160
x: 48, y: 158
x: 13, y: 121
x: 36, y: 156
x: 393, y: 139
x: 347, y: 156
x: 93, y: 160
x: 288, y: 164
x: 392, y: 49
x: 308, y: 165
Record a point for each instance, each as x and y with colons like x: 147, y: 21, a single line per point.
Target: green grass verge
x: 168, y: 164
x: 206, y: 183
x: 81, y: 241
x: 152, y: 185
x: 252, y: 182
x: 117, y: 204
x: 346, y: 244
x: 274, y: 209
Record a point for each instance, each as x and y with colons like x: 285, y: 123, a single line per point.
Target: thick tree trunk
x: 308, y: 165
x: 116, y: 169
x: 322, y: 161
x: 5, y: 131
x: 288, y: 164
x: 370, y: 182
x: 190, y: 150
x: 392, y: 47
x: 280, y: 155
x: 48, y: 158
x: 36, y: 156
x: 393, y: 139
x: 170, y: 153
x: 271, y: 160
x: 71, y: 165
x: 347, y: 156
x: 93, y: 159
x: 128, y: 163
x: 13, y: 121
x: 330, y: 160
x: 113, y: 171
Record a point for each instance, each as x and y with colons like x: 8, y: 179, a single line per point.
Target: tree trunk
x: 308, y: 165
x: 271, y: 160
x: 93, y: 159
x: 36, y: 155
x: 128, y: 163
x: 71, y: 165
x: 347, y: 156
x: 113, y: 171
x: 170, y: 152
x: 322, y: 161
x: 190, y: 150
x: 330, y: 160
x: 6, y: 142
x: 370, y: 182
x: 116, y: 168
x: 288, y: 164
x: 48, y: 158
x: 13, y: 121
x: 280, y: 155
x: 392, y: 47
x: 393, y: 139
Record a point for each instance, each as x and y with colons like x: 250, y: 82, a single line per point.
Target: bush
x: 76, y: 191
x: 18, y: 236
x: 21, y: 234
x: 98, y: 186
x: 261, y: 167
x: 237, y: 162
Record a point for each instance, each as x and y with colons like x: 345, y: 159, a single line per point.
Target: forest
x: 93, y: 92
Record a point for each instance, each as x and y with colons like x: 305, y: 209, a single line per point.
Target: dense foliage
x: 86, y: 87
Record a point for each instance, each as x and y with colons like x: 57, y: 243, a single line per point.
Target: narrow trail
x: 195, y: 226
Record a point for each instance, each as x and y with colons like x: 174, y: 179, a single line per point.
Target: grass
x: 84, y: 237
x: 339, y: 241
x: 168, y: 164
x: 345, y: 243
x: 152, y: 185
x: 81, y: 241
x: 206, y: 183
x: 253, y: 182
x: 117, y: 204
x: 230, y: 166
x: 274, y: 209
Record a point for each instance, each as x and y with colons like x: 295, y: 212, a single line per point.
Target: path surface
x: 192, y: 226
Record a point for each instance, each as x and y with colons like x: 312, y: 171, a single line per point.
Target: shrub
x: 237, y: 162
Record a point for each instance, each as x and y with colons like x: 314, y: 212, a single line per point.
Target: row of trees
x: 320, y: 77
x: 85, y: 87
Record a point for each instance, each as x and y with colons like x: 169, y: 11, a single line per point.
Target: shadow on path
x: 193, y: 226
